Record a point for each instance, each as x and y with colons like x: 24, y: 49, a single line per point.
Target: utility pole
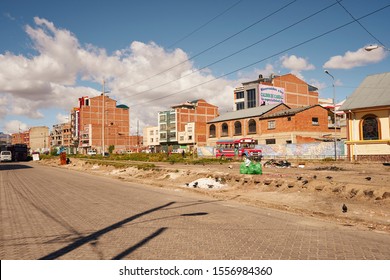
x: 103, y: 119
x: 137, y: 133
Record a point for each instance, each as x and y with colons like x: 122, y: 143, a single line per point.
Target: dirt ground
x: 317, y: 189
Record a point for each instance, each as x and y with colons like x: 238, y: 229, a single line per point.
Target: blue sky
x: 154, y: 54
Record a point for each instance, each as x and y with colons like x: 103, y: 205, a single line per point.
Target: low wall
x: 309, y: 150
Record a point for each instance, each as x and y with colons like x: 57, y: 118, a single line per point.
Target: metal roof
x: 246, y: 113
x: 290, y: 112
x: 374, y: 91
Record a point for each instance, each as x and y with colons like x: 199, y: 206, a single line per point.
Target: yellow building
x: 368, y: 119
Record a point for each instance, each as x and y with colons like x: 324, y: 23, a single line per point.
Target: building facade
x: 287, y: 89
x: 93, y: 129
x: 151, y: 138
x: 21, y: 138
x: 368, y: 119
x: 185, y: 125
x: 39, y: 137
x: 273, y: 124
x: 61, y: 137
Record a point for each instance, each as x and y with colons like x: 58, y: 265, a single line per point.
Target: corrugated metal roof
x: 289, y: 112
x: 374, y: 91
x: 246, y: 113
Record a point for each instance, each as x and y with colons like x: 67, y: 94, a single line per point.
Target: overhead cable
x: 264, y: 59
x: 213, y: 46
x: 203, y: 25
x: 237, y: 52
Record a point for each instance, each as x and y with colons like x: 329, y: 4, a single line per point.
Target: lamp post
x: 103, y: 113
x: 334, y: 114
x: 374, y: 47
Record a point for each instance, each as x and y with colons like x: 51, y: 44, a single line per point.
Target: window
x: 172, y: 135
x: 314, y: 121
x: 237, y: 128
x: 289, y: 119
x: 288, y: 142
x: 163, y: 136
x: 251, y: 98
x: 239, y: 94
x: 252, y: 126
x: 225, y: 129
x: 212, y: 131
x: 189, y: 137
x: 370, y: 128
x: 172, y: 126
x: 151, y: 132
x: 163, y: 126
x: 270, y: 141
x: 172, y: 117
x: 240, y: 106
x: 271, y: 124
x: 163, y: 118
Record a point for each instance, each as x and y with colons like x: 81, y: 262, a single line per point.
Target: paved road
x: 53, y: 213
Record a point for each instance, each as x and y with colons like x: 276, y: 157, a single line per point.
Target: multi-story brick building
x: 272, y: 124
x: 287, y: 89
x: 94, y: 130
x: 21, y: 138
x: 60, y: 136
x: 185, y: 124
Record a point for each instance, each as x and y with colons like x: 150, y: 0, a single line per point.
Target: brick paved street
x: 53, y: 213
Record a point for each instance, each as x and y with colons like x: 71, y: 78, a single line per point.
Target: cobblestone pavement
x: 53, y: 213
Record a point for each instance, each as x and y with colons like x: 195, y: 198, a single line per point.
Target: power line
x: 213, y: 46
x: 359, y: 23
x: 269, y: 57
x: 239, y: 51
x: 203, y: 25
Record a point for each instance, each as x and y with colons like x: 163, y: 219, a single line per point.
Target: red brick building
x: 88, y: 123
x: 287, y: 89
x: 21, y: 138
x: 272, y: 124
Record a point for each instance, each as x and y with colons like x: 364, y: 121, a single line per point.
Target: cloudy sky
x: 155, y: 54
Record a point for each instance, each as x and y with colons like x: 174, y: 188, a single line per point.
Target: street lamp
x: 374, y: 47
x: 334, y: 114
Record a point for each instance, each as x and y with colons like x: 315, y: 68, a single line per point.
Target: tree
x: 111, y: 149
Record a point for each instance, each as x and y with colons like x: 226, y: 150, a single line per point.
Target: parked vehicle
x: 242, y: 148
x: 5, y: 156
x: 91, y: 152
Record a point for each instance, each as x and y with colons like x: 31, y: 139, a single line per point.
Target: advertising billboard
x: 270, y: 95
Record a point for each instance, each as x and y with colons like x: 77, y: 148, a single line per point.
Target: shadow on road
x: 94, y: 236
x: 139, y: 244
x: 13, y: 166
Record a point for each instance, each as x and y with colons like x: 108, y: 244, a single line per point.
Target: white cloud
x: 296, y: 64
x: 61, y: 118
x: 355, y: 59
x: 249, y: 76
x: 14, y: 126
x: 50, y: 79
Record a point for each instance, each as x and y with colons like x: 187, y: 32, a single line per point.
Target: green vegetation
x: 111, y: 148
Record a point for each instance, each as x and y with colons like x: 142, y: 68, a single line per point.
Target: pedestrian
x: 183, y: 154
